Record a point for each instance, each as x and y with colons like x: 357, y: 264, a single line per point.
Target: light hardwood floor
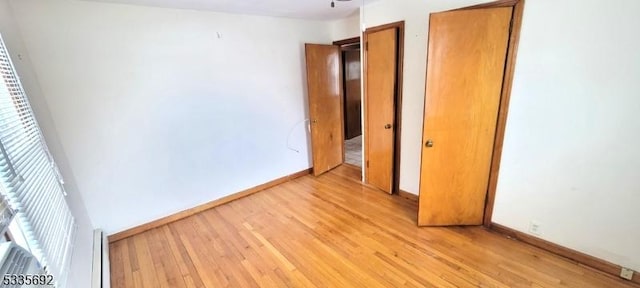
x: 331, y: 231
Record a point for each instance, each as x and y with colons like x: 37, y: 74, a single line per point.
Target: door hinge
x: 367, y: 163
x: 366, y: 46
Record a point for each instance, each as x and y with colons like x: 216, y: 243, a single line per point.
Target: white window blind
x: 30, y: 179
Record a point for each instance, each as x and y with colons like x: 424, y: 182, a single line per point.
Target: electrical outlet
x: 626, y: 273
x: 534, y: 228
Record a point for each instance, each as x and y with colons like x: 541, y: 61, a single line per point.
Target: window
x: 30, y: 180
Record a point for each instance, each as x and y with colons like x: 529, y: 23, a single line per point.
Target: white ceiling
x: 307, y: 9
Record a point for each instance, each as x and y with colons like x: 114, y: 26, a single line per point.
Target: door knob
x: 388, y: 126
x: 429, y: 143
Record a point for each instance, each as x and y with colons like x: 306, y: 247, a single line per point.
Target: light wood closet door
x: 466, y: 61
x: 380, y: 113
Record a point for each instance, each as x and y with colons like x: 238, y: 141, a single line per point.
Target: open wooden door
x: 324, y: 81
x: 381, y: 80
x: 465, y: 70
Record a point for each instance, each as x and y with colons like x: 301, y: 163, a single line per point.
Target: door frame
x: 347, y: 42
x: 507, y: 83
x: 344, y: 45
x: 397, y: 125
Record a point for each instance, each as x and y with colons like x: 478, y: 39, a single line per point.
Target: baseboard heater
x: 100, y: 266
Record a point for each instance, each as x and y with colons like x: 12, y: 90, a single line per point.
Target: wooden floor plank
x: 190, y: 276
x: 332, y: 231
x: 147, y: 272
x: 117, y: 271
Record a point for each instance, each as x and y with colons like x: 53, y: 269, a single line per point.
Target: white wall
x: 161, y: 110
x: 571, y: 159
x: 345, y: 28
x: 80, y: 271
x: 415, y: 13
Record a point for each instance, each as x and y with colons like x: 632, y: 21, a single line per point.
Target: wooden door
x: 352, y: 95
x: 324, y: 84
x: 381, y: 61
x: 465, y: 69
